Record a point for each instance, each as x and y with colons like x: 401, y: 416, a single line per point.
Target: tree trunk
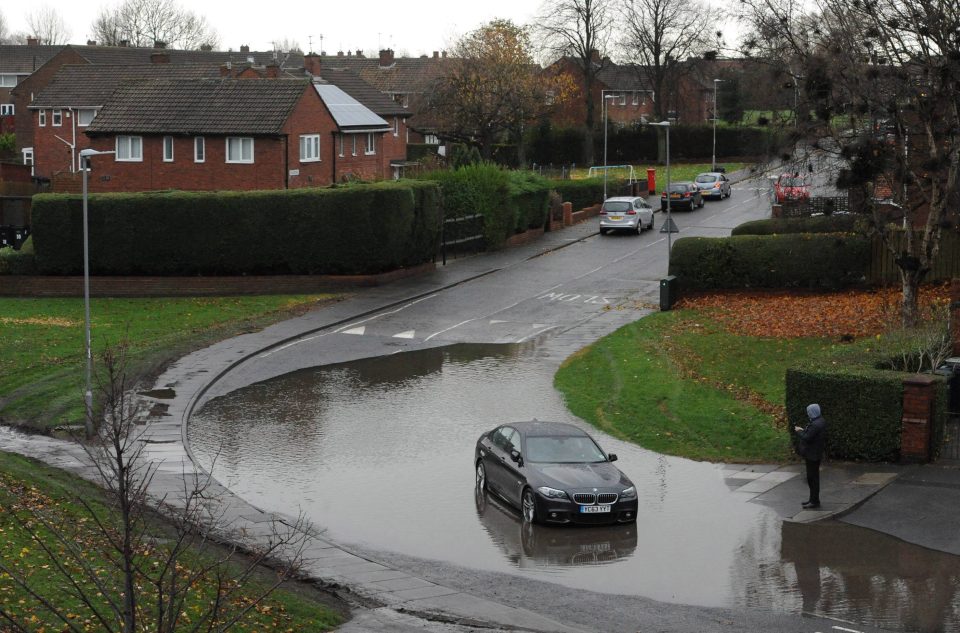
x: 909, y: 304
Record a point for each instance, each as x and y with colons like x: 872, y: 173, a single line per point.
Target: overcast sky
x: 411, y: 27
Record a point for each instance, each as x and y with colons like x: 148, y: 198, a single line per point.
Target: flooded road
x: 379, y: 453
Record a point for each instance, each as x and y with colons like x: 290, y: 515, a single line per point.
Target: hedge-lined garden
x: 357, y: 229
x: 809, y: 224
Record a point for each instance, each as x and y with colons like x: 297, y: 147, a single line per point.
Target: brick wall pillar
x: 918, y: 395
x: 955, y: 316
x: 776, y: 211
x: 568, y: 214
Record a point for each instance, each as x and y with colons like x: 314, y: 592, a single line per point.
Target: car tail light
x: 603, y: 212
x: 716, y: 185
x: 686, y: 195
x: 663, y: 193
x: 631, y: 212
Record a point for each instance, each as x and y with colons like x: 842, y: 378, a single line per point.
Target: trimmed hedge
x: 529, y: 194
x: 811, y: 224
x: 824, y: 260
x: 863, y: 406
x: 21, y: 262
x: 582, y: 193
x: 355, y: 229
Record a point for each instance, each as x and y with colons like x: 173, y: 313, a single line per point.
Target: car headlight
x: 629, y: 493
x: 552, y: 493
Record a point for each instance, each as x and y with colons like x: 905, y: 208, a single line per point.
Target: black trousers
x: 813, y: 479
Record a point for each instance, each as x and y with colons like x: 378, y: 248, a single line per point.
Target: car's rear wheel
x: 639, y: 228
x: 651, y: 223
x: 481, y: 476
x: 529, y: 507
x: 603, y: 231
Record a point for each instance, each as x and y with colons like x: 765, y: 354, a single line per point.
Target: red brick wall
x: 50, y: 154
x: 918, y: 394
x: 361, y: 165
x: 311, y: 117
x: 32, y: 85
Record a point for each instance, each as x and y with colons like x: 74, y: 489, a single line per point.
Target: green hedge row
x: 355, y: 229
x: 846, y: 223
x: 583, y: 193
x: 863, y: 406
x: 824, y: 260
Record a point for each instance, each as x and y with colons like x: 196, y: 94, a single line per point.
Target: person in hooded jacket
x: 811, y: 445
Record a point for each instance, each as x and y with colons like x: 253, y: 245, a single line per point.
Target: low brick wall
x: 524, y: 238
x: 586, y: 214
x: 24, y: 286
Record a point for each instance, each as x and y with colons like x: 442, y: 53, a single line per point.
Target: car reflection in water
x: 528, y: 545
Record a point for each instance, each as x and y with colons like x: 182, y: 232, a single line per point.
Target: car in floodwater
x: 554, y: 473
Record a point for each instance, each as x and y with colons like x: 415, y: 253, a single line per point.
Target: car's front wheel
x: 481, y: 476
x: 529, y: 507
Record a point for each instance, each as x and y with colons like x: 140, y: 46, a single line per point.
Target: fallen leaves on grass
x: 843, y: 315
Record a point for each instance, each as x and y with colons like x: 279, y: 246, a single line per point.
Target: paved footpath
x: 389, y: 600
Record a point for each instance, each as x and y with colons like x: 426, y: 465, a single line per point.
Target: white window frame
x: 310, y: 143
x: 124, y: 149
x: 396, y: 126
x: 243, y: 142
x: 636, y: 98
x: 341, y: 144
x: 370, y: 147
x: 622, y: 98
x: 7, y: 109
x: 27, y: 153
x: 42, y: 118
x: 6, y: 78
x: 199, y: 149
x: 354, y: 137
x: 168, y: 144
x: 80, y: 116
x: 56, y: 120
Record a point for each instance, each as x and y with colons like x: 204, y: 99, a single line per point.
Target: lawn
x: 42, y: 343
x: 678, y: 172
x: 30, y: 491
x: 706, y: 381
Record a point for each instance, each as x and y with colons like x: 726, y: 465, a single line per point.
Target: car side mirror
x: 516, y: 457
x: 612, y: 457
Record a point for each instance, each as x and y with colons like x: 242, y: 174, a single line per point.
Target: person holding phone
x: 812, y: 441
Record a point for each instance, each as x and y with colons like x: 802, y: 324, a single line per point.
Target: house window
x: 623, y: 98
x: 371, y: 146
x: 431, y: 139
x: 130, y: 148
x: 27, y: 155
x: 239, y: 149
x: 6, y: 109
x: 57, y: 118
x: 168, y: 149
x: 636, y: 98
x: 85, y: 116
x: 199, y: 149
x: 8, y: 81
x: 42, y: 121
x: 309, y: 148
x: 354, y: 137
x: 341, y: 144
x: 396, y: 126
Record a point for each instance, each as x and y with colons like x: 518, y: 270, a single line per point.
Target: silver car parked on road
x: 625, y: 213
x: 713, y: 185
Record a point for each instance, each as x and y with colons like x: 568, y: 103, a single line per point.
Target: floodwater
x: 379, y: 453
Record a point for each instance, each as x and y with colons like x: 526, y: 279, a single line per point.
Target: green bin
x: 668, y: 292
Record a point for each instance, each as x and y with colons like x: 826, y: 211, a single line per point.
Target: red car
x: 791, y: 187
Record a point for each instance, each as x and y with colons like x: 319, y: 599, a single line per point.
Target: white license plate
x: 594, y: 509
x: 616, y: 218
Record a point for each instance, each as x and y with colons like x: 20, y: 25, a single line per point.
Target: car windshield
x: 791, y: 182
x: 678, y: 188
x: 555, y: 449
x: 616, y: 206
x: 708, y: 178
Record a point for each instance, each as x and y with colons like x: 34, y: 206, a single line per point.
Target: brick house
x: 17, y: 63
x: 232, y: 134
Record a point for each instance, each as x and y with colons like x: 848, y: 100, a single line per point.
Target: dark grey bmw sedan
x: 554, y: 473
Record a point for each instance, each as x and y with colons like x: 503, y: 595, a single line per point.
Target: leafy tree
x: 48, y: 26
x: 492, y: 87
x: 145, y: 22
x: 882, y: 79
x: 579, y: 29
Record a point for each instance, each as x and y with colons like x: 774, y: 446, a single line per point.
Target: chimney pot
x: 339, y: 53
x: 244, y: 48
x: 159, y: 44
x: 386, y: 57
x: 91, y: 42
x: 311, y: 64
x: 359, y: 53
x: 33, y: 41
x: 125, y: 43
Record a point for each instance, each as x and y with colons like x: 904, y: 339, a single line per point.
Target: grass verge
x: 678, y: 383
x: 29, y: 490
x: 678, y: 172
x: 42, y: 346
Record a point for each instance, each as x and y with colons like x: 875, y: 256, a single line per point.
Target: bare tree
x: 147, y: 22
x: 47, y: 25
x: 286, y: 45
x: 135, y: 574
x: 579, y: 29
x: 882, y: 78
x: 660, y: 37
x: 4, y: 29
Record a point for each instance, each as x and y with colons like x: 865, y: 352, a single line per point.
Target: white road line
x: 452, y: 327
x: 407, y: 334
x: 840, y: 628
x: 359, y: 331
x: 495, y: 321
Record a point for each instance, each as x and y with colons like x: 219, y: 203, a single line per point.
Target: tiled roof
x: 127, y: 55
x: 90, y: 85
x: 623, y: 77
x: 353, y: 85
x: 24, y: 59
x: 200, y: 106
x: 405, y: 75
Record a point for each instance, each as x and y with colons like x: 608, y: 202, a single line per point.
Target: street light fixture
x: 85, y: 155
x: 714, y: 163
x: 668, y: 227
x: 606, y: 98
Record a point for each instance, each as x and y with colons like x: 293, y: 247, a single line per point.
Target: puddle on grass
x: 379, y: 452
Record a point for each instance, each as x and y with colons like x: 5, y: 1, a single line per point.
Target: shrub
x: 824, y: 260
x: 582, y: 193
x: 21, y: 262
x: 354, y: 229
x: 845, y: 223
x: 483, y: 189
x: 529, y: 194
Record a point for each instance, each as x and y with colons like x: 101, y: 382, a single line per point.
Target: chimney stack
x: 436, y: 54
x: 159, y: 57
x: 272, y: 71
x: 91, y: 42
x: 311, y: 64
x: 386, y: 57
x: 33, y: 41
x: 244, y: 48
x: 359, y: 53
x: 159, y: 44
x: 594, y: 56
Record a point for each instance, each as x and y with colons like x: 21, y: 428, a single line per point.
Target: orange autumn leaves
x: 790, y: 314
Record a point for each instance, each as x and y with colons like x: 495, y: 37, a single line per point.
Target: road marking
x: 495, y: 321
x: 407, y: 334
x: 537, y: 333
x: 452, y: 327
x: 538, y: 325
x: 568, y: 298
x: 357, y: 330
x: 840, y: 628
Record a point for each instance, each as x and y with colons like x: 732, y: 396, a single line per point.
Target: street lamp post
x: 669, y: 224
x: 85, y: 155
x: 714, y: 163
x: 605, y: 109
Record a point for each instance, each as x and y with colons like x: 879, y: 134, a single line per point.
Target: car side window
x: 512, y: 439
x: 500, y: 439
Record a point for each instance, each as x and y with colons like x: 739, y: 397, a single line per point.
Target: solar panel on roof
x: 347, y: 111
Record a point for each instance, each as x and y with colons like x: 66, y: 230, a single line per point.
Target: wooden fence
x: 884, y: 270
